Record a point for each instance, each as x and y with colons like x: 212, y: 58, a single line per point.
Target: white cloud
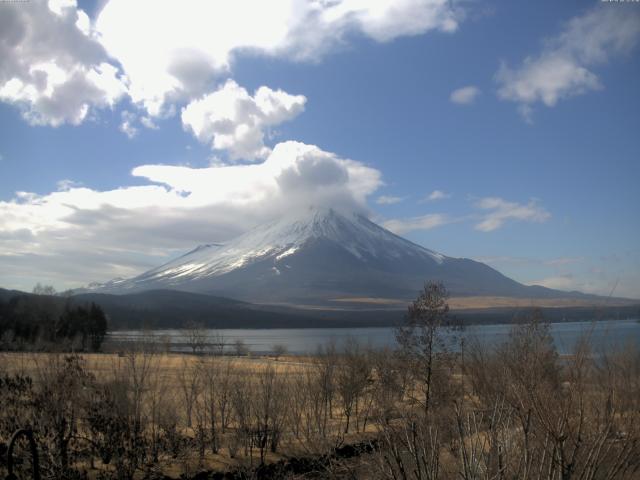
x: 50, y: 65
x: 585, y: 274
x: 559, y: 282
x: 425, y: 222
x: 563, y: 261
x: 465, y: 95
x: 61, y: 7
x: 388, y: 200
x: 606, y: 280
x: 127, y: 126
x: 67, y: 184
x: 502, y: 211
x: 563, y: 68
x: 148, y: 122
x: 56, y: 64
x: 108, y: 231
x: 436, y: 195
x: 231, y: 119
x: 528, y: 261
x: 186, y: 44
x: 131, y: 122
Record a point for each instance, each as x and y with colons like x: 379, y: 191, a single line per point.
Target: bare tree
x: 326, y: 362
x: 63, y: 382
x: 268, y: 410
x: 196, y: 337
x: 241, y: 348
x: 189, y: 383
x: 211, y: 371
x: 279, y: 350
x: 128, y: 419
x: 390, y: 383
x: 40, y: 289
x: 217, y: 343
x: 353, y: 376
x: 422, y: 338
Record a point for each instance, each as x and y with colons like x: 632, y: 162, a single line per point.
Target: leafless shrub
x: 196, y: 337
x: 552, y: 419
x: 241, y: 348
x: 353, y: 375
x: 409, y: 450
x: 279, y: 350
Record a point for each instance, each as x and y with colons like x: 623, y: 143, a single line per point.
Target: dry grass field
x: 481, y: 302
x: 104, y: 365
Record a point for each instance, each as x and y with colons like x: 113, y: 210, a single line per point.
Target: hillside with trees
x: 44, y: 321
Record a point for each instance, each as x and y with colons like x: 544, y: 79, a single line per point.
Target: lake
x: 605, y: 335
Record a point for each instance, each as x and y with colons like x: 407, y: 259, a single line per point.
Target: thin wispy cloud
x: 465, y: 95
x: 127, y: 126
x: 588, y: 275
x: 564, y: 67
x: 148, y: 122
x: 435, y: 196
x: 388, y: 200
x: 67, y: 184
x: 132, y: 122
x: 550, y: 262
x: 563, y: 261
x: 506, y: 260
x: 559, y: 282
x: 424, y: 222
x: 500, y: 211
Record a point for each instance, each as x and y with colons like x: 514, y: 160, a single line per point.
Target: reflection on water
x: 604, y: 336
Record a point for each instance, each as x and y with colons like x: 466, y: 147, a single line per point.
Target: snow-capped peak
x: 278, y: 240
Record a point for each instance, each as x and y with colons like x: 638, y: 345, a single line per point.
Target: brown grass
x: 479, y: 302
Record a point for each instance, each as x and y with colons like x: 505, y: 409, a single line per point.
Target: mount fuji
x: 321, y: 256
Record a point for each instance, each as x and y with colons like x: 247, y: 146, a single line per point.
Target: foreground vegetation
x: 515, y: 411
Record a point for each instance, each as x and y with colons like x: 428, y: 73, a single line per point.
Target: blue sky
x: 537, y: 162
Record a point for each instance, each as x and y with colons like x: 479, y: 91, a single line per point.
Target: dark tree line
x: 42, y: 321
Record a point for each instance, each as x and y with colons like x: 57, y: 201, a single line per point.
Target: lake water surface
x: 605, y: 335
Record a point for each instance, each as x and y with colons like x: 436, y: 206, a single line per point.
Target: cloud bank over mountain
x: 182, y: 206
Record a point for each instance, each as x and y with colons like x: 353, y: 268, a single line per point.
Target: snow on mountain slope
x: 316, y: 255
x: 282, y: 238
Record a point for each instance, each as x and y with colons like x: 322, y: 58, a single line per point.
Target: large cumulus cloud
x: 230, y: 119
x: 51, y: 66
x: 57, y: 64
x: 172, y: 50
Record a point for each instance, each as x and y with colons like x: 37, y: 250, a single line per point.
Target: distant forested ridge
x: 46, y: 322
x: 38, y: 315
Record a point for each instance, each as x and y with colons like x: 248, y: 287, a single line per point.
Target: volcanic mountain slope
x: 320, y: 255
